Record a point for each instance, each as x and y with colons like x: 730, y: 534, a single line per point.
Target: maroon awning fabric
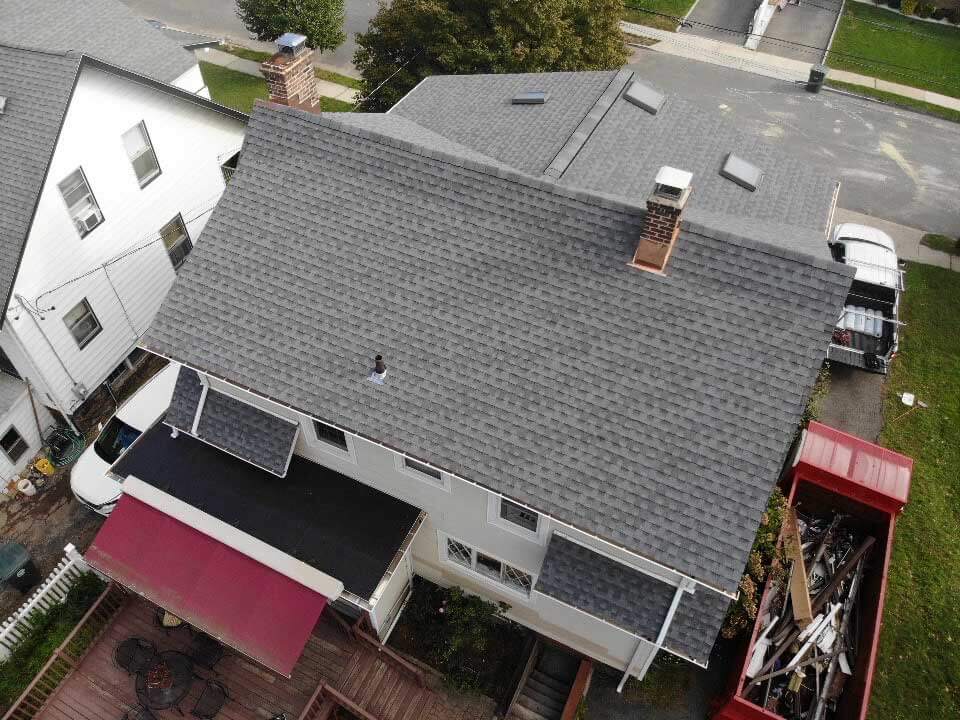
x: 243, y: 603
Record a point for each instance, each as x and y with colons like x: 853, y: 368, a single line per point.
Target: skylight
x: 530, y: 97
x: 645, y: 97
x: 3, y: 104
x: 744, y: 174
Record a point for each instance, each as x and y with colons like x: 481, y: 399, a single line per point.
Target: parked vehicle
x: 89, y: 480
x: 866, y: 334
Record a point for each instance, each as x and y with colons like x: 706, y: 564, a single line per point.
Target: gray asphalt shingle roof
x: 37, y: 87
x: 242, y: 430
x: 104, y: 29
x: 630, y: 599
x: 522, y: 352
x: 622, y: 146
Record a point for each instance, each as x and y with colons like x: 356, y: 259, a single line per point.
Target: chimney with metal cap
x: 661, y: 225
x: 290, y: 75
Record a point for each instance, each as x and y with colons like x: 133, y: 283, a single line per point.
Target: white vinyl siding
x: 490, y: 567
x: 82, y: 323
x: 139, y: 149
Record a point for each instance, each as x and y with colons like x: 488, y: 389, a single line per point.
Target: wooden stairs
x: 552, y: 685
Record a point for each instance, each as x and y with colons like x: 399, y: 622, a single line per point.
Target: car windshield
x: 116, y: 437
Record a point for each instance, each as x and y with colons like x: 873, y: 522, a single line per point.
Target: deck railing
x: 53, y: 591
x: 68, y: 655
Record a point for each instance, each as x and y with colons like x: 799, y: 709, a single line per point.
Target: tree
x: 410, y: 39
x: 320, y: 20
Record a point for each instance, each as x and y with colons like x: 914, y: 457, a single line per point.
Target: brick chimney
x: 661, y: 225
x: 290, y: 76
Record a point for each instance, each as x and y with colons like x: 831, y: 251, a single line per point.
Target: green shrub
x: 909, y: 7
x: 954, y: 15
x: 925, y: 9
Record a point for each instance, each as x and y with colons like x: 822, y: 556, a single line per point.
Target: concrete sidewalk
x: 907, y: 240
x: 251, y: 67
x: 761, y: 63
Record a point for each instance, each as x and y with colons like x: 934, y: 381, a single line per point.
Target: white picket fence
x: 51, y: 592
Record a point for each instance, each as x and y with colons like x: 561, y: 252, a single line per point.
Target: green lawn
x: 258, y: 56
x: 246, y: 53
x: 918, y: 673
x: 871, y: 41
x: 239, y: 90
x: 899, y: 100
x: 633, y: 11
x: 943, y: 243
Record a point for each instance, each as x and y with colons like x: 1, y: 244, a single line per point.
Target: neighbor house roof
x: 104, y: 29
x: 523, y: 352
x: 589, y: 137
x: 37, y: 87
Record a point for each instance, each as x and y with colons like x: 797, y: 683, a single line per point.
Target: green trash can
x: 17, y: 568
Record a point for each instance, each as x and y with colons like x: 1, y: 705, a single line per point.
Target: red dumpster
x: 836, y: 472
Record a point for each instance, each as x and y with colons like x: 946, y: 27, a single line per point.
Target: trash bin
x: 16, y: 567
x: 818, y: 73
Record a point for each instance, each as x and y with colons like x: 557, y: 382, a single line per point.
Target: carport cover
x: 241, y: 602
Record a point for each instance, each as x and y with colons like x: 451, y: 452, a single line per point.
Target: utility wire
x: 392, y: 75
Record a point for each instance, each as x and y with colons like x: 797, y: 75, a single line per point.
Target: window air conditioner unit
x: 86, y: 223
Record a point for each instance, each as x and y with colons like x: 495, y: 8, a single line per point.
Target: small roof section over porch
x: 334, y: 524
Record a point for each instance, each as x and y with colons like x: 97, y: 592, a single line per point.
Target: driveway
x: 854, y: 402
x: 724, y: 20
x: 801, y: 32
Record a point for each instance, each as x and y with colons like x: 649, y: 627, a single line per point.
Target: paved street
x: 801, y: 31
x: 718, y: 19
x: 894, y: 164
x: 219, y: 18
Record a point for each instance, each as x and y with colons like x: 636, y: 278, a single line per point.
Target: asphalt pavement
x: 801, y: 32
x: 219, y: 19
x: 724, y: 20
x: 894, y: 164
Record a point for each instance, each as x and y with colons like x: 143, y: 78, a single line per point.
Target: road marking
x: 891, y: 152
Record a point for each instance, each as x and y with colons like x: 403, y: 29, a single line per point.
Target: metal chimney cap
x: 291, y: 43
x: 672, y: 177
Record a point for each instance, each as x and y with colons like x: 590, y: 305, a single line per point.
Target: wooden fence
x: 51, y: 592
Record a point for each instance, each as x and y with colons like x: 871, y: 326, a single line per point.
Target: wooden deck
x: 366, y: 680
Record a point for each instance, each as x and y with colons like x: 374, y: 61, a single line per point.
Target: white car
x: 89, y: 480
x: 867, y: 335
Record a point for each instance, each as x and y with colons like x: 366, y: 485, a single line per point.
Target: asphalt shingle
x: 104, y: 29
x: 523, y: 353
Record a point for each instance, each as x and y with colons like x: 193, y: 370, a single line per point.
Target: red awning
x: 243, y: 603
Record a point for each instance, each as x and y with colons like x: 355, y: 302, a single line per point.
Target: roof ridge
x: 72, y: 54
x: 500, y: 171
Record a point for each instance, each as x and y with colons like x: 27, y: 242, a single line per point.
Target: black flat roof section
x: 329, y: 521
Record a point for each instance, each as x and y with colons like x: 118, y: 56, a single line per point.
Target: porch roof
x: 250, y: 607
x: 329, y: 521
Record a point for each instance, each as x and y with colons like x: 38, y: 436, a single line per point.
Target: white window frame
x: 310, y: 433
x: 23, y: 439
x: 185, y: 240
x: 88, y: 204
x: 148, y: 148
x: 499, y: 584
x: 442, y: 484
x: 81, y: 344
x: 540, y: 536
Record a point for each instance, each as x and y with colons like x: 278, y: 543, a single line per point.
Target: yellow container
x: 45, y: 466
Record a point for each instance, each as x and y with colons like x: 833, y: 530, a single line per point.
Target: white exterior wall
x: 20, y: 415
x: 462, y: 510
x: 192, y: 81
x: 190, y: 143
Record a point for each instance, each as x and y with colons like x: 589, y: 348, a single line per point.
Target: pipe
x: 664, y: 628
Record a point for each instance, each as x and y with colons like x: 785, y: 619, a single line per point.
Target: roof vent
x: 292, y: 44
x: 3, y: 104
x: 644, y: 96
x: 530, y: 97
x: 741, y: 172
x: 672, y: 184
x: 379, y: 372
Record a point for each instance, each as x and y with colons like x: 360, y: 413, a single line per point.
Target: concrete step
x: 549, y: 691
x: 551, y: 700
x: 547, y: 710
x: 519, y: 712
x: 549, y: 681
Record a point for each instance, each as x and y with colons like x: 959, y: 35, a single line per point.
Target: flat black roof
x: 337, y: 525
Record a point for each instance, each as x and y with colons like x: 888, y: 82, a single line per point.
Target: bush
x: 939, y: 13
x: 954, y: 16
x: 909, y: 7
x: 894, y: 4
x: 925, y: 9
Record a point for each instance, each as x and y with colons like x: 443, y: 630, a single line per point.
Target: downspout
x: 661, y: 637
x: 29, y: 359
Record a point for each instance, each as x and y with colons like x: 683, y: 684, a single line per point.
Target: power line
x: 392, y: 75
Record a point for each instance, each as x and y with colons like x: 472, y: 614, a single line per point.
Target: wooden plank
x: 799, y: 590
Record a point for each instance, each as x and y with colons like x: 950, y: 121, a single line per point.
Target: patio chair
x: 168, y: 622
x: 205, y: 651
x: 211, y: 700
x: 136, y: 655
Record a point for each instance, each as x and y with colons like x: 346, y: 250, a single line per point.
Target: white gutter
x: 661, y: 637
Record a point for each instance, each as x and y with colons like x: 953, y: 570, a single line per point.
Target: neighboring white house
x: 107, y: 178
x: 589, y: 392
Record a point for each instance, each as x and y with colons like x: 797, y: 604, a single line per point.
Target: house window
x: 488, y: 566
x: 13, y: 444
x: 330, y: 435
x: 81, y: 204
x: 422, y: 469
x: 176, y: 240
x: 519, y: 515
x: 82, y: 323
x: 141, y: 154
